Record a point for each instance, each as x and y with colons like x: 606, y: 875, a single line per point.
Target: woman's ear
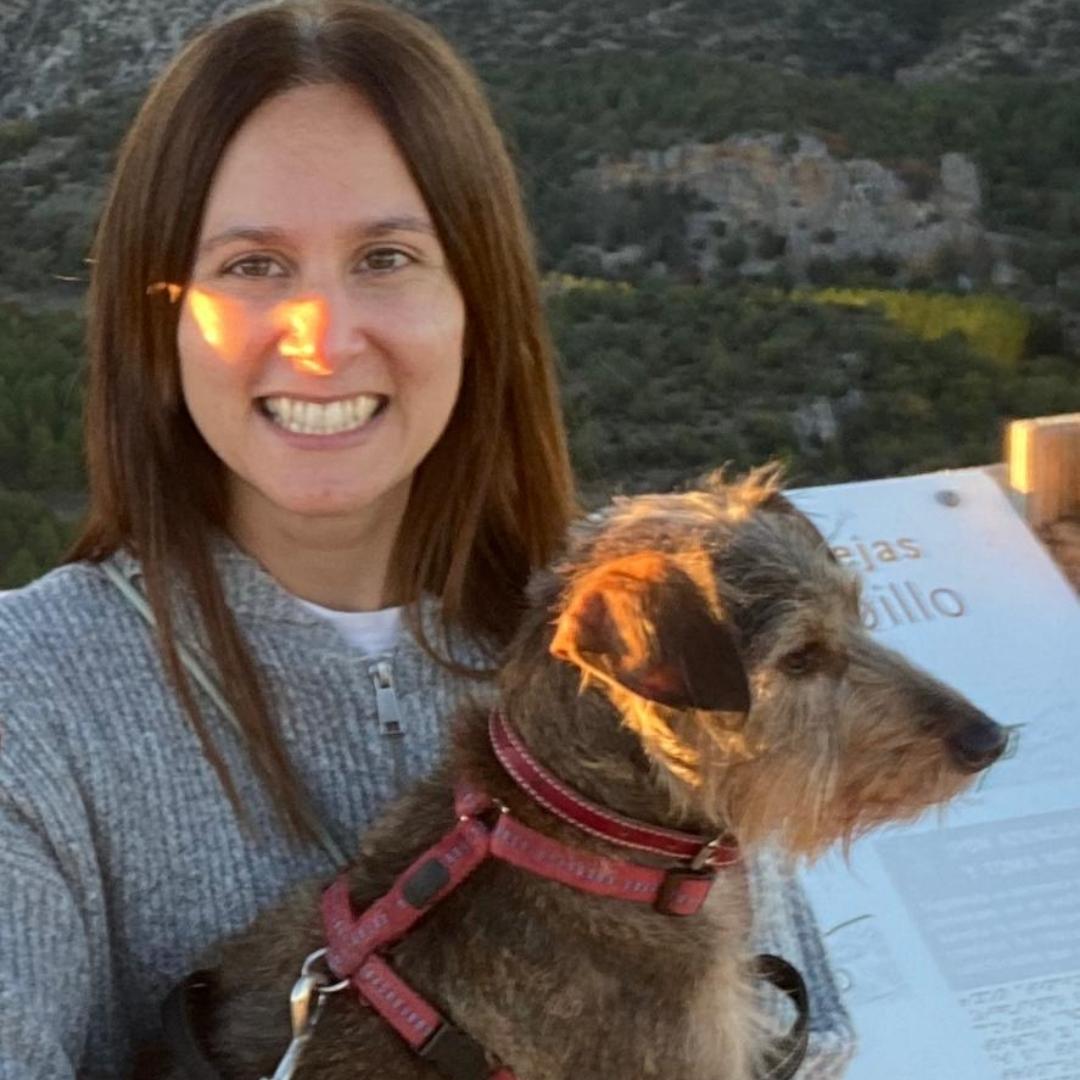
x: 642, y: 622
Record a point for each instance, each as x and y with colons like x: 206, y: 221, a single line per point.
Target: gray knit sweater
x: 120, y: 856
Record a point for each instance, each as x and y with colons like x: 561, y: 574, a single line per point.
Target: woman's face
x: 321, y: 334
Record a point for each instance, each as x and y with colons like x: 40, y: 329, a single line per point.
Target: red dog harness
x: 354, y: 942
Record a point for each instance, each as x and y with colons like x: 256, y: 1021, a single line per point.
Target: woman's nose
x: 319, y: 333
x: 303, y: 326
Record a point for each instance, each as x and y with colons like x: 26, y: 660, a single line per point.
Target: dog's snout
x: 972, y: 739
x: 977, y: 743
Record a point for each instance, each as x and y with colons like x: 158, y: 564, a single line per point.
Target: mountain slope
x: 56, y: 53
x: 1032, y: 37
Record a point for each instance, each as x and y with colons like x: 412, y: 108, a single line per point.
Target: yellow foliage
x: 994, y: 326
x: 561, y: 283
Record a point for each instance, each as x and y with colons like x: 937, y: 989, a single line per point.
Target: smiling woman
x: 325, y: 453
x: 333, y: 416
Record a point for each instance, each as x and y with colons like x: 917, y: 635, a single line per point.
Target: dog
x: 693, y: 666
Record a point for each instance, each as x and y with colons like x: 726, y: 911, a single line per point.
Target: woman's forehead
x: 313, y: 158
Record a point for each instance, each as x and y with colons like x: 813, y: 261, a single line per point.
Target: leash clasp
x: 300, y: 1013
x: 306, y: 1001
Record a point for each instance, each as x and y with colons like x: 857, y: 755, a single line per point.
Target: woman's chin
x: 312, y: 498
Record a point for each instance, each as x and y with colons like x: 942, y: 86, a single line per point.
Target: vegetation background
x: 845, y: 232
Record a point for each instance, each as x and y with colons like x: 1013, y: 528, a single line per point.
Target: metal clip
x: 300, y: 1003
x: 304, y: 1017
x: 290, y: 1062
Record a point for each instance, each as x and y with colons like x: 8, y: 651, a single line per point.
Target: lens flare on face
x: 209, y: 313
x: 174, y: 291
x: 222, y: 322
x: 304, y: 323
x: 227, y: 327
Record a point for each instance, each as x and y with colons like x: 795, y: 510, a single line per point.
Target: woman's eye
x: 379, y: 261
x: 386, y: 259
x: 254, y: 266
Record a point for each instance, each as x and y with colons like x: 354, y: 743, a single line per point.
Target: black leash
x: 787, y: 1053
x: 183, y: 1013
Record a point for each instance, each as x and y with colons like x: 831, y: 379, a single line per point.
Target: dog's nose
x: 977, y: 742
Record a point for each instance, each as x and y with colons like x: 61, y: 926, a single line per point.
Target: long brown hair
x: 492, y: 499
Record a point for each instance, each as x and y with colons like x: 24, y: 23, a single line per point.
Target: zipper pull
x: 386, y: 702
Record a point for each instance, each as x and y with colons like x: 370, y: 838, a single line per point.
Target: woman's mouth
x: 306, y: 417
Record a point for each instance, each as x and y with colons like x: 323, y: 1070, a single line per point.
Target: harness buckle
x: 705, y: 856
x: 675, y: 898
x: 455, y: 1055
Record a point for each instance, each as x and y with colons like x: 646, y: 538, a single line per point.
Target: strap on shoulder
x: 210, y: 686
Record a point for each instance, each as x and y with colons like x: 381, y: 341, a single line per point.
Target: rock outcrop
x: 792, y: 188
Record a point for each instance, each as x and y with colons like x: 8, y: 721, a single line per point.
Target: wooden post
x: 1043, y: 457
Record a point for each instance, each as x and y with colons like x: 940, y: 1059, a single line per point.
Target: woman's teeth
x: 311, y: 418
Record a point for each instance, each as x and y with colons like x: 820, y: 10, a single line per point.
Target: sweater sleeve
x: 44, y: 962
x: 45, y: 992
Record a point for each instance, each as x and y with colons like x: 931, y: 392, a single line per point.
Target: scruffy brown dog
x: 696, y: 661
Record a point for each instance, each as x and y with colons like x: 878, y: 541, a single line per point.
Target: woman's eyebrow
x: 361, y: 230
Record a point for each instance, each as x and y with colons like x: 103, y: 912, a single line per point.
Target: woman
x: 321, y: 398
x: 321, y: 402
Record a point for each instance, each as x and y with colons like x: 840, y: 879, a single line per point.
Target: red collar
x: 564, y: 802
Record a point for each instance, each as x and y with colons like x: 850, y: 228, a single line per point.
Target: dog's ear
x: 644, y: 623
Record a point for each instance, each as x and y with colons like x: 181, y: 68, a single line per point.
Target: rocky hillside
x: 56, y: 53
x: 645, y: 139
x: 62, y: 53
x: 789, y: 196
x: 1032, y: 37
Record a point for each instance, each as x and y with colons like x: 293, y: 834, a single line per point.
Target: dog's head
x: 719, y: 626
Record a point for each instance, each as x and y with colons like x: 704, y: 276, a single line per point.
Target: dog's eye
x: 805, y: 661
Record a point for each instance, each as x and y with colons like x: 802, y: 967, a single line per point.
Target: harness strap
x: 678, y: 891
x: 435, y: 874
x: 354, y: 942
x: 444, y: 866
x: 452, y: 1052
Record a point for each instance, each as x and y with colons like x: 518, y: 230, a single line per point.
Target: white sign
x: 957, y: 941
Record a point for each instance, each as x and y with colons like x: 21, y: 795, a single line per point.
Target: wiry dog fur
x: 696, y: 660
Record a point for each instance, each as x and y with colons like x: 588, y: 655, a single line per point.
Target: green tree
x: 19, y: 570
